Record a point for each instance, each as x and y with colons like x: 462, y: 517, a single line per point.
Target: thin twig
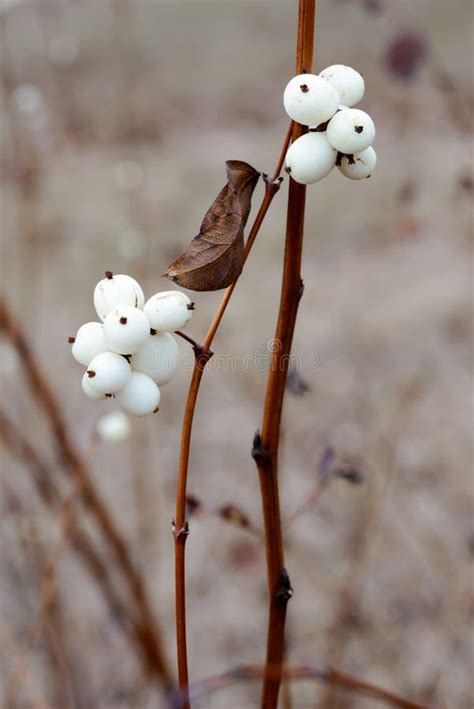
x: 47, y: 597
x: 329, y: 675
x: 8, y: 646
x: 231, y: 514
x: 203, y: 354
x: 19, y: 447
x: 266, y: 443
x: 325, y: 470
x: 78, y: 470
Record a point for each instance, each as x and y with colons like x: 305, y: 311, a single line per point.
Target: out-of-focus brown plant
x: 74, y: 465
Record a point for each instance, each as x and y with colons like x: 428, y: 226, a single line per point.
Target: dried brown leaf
x: 215, y: 257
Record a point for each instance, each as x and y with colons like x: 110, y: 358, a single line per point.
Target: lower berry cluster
x: 132, y: 352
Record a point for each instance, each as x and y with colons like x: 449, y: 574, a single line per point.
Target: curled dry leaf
x: 215, y: 257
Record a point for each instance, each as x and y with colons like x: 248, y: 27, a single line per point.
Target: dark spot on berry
x: 123, y: 320
x: 304, y: 88
x: 90, y: 373
x: 136, y: 301
x: 359, y: 129
x: 288, y: 170
x: 190, y: 306
x: 71, y: 340
x: 152, y: 331
x: 155, y: 411
x: 109, y: 275
x: 350, y: 159
x: 109, y: 396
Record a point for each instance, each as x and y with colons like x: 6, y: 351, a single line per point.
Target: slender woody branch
x: 266, y: 443
x: 328, y: 675
x: 203, y: 354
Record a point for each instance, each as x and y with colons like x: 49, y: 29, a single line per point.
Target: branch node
x: 272, y: 185
x: 180, y: 533
x: 202, y: 354
x: 284, y: 591
x: 301, y: 289
x: 259, y: 452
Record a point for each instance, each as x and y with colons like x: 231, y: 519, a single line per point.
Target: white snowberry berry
x: 310, y: 158
x: 113, y: 427
x: 108, y: 372
x: 126, y: 328
x: 140, y: 396
x: 168, y: 311
x: 348, y: 83
x: 351, y: 131
x: 310, y: 100
x: 359, y: 165
x: 158, y: 358
x: 89, y: 390
x: 89, y: 342
x: 113, y: 291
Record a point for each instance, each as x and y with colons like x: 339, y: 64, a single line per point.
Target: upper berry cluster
x: 338, y: 134
x: 132, y: 352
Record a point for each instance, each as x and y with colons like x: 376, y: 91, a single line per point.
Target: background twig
x: 73, y: 463
x: 329, y: 675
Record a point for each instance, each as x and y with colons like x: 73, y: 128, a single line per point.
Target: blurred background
x: 116, y: 121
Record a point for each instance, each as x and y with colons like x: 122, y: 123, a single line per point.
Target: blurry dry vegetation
x: 116, y: 120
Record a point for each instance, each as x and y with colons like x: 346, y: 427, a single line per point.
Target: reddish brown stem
x: 329, y: 675
x: 76, y: 467
x: 266, y: 444
x: 203, y: 354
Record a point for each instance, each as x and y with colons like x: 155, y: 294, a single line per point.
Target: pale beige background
x: 140, y: 104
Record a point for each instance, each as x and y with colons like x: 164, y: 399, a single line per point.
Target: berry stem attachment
x: 272, y: 185
x: 189, y: 339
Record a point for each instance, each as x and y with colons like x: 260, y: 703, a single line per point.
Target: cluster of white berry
x: 338, y: 135
x: 132, y: 352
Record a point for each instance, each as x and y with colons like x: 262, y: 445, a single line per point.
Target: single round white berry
x: 114, y: 427
x: 310, y: 100
x: 108, y: 372
x: 89, y: 390
x: 113, y: 291
x: 348, y: 83
x: 310, y: 158
x: 140, y: 396
x: 351, y: 131
x: 158, y: 358
x: 359, y: 165
x: 168, y: 311
x: 126, y: 328
x: 89, y: 342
